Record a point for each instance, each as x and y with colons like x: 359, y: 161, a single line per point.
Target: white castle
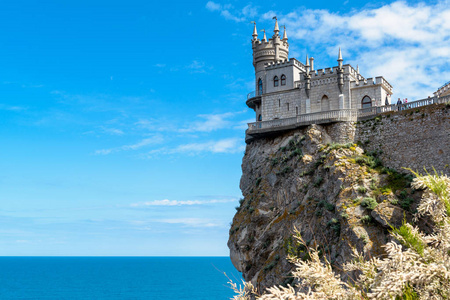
x: 285, y: 88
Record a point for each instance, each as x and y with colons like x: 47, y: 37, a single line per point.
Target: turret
x: 268, y: 51
x: 276, y: 30
x: 284, y: 35
x: 255, y: 32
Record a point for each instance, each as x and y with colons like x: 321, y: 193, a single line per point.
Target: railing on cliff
x: 341, y: 115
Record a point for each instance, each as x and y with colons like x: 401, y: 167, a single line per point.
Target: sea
x: 116, y: 278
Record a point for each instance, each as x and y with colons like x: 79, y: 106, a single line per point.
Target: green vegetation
x: 318, y: 181
x: 335, y: 225
x: 361, y: 189
x: 334, y: 146
x: 369, y: 203
x: 411, y: 238
x: 366, y: 219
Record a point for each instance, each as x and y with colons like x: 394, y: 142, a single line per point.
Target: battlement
x: 370, y: 81
x: 284, y: 63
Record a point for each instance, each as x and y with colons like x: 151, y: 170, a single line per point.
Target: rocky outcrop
x: 329, y: 192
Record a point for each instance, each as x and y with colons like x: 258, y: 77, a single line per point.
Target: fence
x: 340, y: 115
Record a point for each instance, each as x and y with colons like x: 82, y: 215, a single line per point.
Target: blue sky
x: 122, y: 123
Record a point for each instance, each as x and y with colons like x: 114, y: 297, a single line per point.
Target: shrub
x: 366, y: 219
x: 361, y: 189
x: 369, y: 203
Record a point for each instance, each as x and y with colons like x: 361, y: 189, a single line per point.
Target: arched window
x: 283, y: 79
x: 275, y: 81
x: 260, y: 118
x: 324, y: 103
x: 366, y: 102
x: 260, y: 87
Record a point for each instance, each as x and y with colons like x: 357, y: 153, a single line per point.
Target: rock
x: 293, y: 181
x: 390, y: 215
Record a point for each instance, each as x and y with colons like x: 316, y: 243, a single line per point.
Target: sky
x: 122, y: 124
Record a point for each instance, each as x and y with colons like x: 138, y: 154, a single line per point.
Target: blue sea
x: 116, y: 278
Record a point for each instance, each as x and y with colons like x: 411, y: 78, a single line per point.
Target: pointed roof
x: 307, y: 60
x: 264, y: 38
x: 357, y: 69
x: 277, y: 29
x: 255, y: 32
x: 284, y: 34
x: 340, y: 55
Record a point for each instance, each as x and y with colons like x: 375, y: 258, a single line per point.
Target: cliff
x: 337, y: 195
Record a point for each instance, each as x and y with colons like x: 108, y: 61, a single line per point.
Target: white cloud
x: 211, y: 122
x: 167, y: 202
x: 228, y: 12
x: 112, y: 131
x: 407, y: 44
x: 157, y: 139
x: 192, y: 222
x: 12, y: 108
x: 231, y: 145
x: 212, y: 6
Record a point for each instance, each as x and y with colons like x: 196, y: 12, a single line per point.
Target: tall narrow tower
x: 268, y: 51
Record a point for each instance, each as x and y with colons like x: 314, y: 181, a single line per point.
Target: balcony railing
x: 251, y: 95
x: 340, y: 115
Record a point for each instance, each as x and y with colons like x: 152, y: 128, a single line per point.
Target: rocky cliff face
x: 336, y: 195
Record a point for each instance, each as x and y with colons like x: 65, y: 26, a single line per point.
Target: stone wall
x: 414, y: 138
x: 275, y: 105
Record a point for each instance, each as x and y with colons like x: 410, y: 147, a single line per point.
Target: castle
x: 285, y: 88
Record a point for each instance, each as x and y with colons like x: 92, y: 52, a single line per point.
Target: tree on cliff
x: 417, y: 266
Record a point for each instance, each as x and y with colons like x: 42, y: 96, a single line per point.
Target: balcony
x: 253, y: 100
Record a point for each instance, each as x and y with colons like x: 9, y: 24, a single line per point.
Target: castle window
x: 260, y: 118
x: 366, y: 102
x: 260, y: 87
x: 287, y: 106
x: 279, y: 103
x: 275, y: 81
x: 283, y: 79
x: 296, y: 110
x: 324, y: 103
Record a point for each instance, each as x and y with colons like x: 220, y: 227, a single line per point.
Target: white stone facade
x: 285, y: 88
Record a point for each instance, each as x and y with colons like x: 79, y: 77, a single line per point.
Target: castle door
x: 324, y: 103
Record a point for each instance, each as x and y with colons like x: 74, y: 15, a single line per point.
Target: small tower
x: 268, y: 51
x: 255, y: 32
x: 284, y: 35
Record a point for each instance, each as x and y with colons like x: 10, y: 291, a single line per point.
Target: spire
x: 307, y: 65
x: 357, y: 69
x: 264, y: 37
x: 255, y: 32
x: 284, y: 34
x: 340, y: 60
x: 276, y: 30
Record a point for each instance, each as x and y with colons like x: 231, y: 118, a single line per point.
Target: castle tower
x: 268, y: 51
